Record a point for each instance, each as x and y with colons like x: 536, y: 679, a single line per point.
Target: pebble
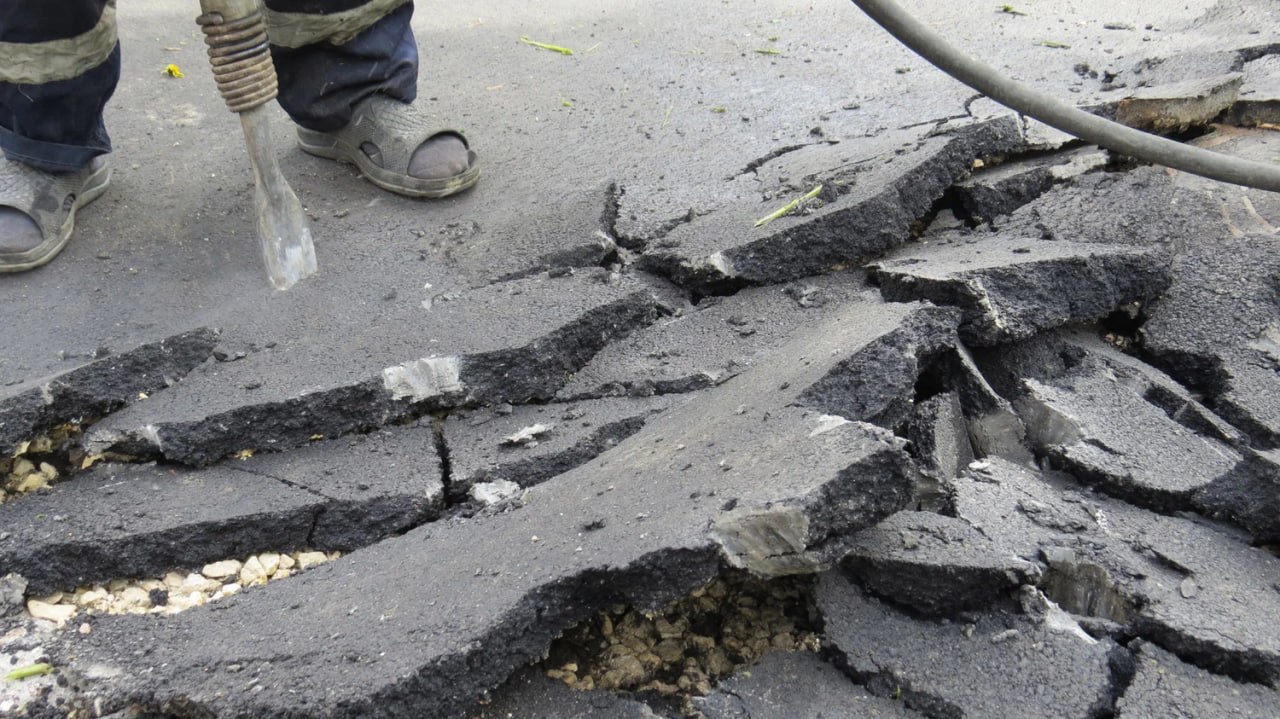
x: 252, y: 572
x: 221, y: 570
x: 270, y: 562
x: 306, y: 560
x: 177, y: 591
x: 59, y: 613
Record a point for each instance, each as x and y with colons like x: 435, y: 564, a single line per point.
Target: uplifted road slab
x: 286, y: 396
x: 1012, y: 287
x: 870, y: 198
x: 997, y: 666
x: 1165, y: 686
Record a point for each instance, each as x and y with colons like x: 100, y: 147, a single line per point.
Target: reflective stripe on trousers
x: 60, y: 62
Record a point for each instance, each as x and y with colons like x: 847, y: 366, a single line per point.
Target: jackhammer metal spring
x: 240, y: 53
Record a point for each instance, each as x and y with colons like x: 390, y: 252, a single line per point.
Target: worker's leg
x: 332, y: 55
x: 59, y: 63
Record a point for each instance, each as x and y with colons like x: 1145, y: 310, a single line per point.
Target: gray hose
x: 1113, y: 136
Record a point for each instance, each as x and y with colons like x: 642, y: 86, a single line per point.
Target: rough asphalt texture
x: 1015, y: 401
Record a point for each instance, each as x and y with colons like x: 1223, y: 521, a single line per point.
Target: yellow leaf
x: 244, y: 454
x: 172, y: 70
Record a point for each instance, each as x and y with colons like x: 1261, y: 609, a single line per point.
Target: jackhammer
x: 240, y: 54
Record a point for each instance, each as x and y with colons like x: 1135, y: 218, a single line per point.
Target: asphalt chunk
x: 1001, y: 665
x: 1259, y: 101
x: 529, y: 444
x: 282, y: 398
x: 936, y: 565
x: 707, y: 343
x: 814, y: 688
x: 752, y: 475
x: 997, y: 191
x: 940, y: 442
x: 1165, y: 686
x: 1012, y: 287
x: 377, y: 485
x: 117, y: 521
x: 1172, y: 580
x: 1248, y: 496
x: 100, y: 387
x: 871, y: 202
x: 1104, y: 432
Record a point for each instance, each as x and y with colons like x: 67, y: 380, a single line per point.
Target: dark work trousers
x: 51, y: 103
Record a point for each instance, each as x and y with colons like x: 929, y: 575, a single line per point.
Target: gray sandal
x: 51, y: 200
x: 396, y: 130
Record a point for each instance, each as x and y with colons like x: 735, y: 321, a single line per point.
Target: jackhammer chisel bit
x: 241, y: 57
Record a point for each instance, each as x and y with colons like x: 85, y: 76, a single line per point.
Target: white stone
x: 183, y: 602
x: 306, y: 560
x: 199, y: 583
x: 270, y: 562
x: 49, y: 471
x: 282, y: 574
x: 287, y: 562
x: 95, y: 598
x: 252, y: 572
x: 59, y: 613
x: 221, y: 570
x: 32, y: 482
x: 134, y: 599
x: 173, y: 580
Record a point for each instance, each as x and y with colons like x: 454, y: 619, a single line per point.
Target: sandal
x: 395, y: 131
x: 51, y: 200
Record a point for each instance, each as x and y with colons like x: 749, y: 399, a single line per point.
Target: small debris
x: 32, y: 670
x: 174, y: 71
x: 789, y: 207
x: 527, y: 437
x: 491, y: 493
x: 544, y: 46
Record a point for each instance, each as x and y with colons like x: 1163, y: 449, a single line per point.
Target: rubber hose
x: 1051, y: 111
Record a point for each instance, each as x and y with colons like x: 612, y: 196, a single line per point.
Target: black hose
x: 1047, y: 109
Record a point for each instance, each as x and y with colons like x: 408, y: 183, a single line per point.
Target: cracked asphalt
x: 1010, y: 406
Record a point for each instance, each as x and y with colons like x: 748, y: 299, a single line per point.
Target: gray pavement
x: 1015, y: 402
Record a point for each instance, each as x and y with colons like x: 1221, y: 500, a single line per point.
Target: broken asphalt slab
x: 992, y: 192
x: 100, y: 387
x: 1114, y: 422
x: 705, y: 344
x: 1012, y: 287
x: 1165, y: 686
x: 868, y: 204
x: 137, y: 521
x: 529, y: 444
x: 795, y: 684
x: 1198, y: 590
x: 288, y: 395
x: 142, y: 520
x: 754, y: 473
x: 998, y: 665
x: 935, y: 564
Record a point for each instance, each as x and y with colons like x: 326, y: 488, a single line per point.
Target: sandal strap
x: 394, y: 127
x: 45, y: 197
